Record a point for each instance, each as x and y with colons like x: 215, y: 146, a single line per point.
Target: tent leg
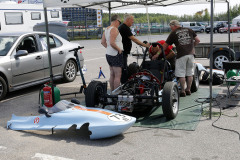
x: 49, y: 54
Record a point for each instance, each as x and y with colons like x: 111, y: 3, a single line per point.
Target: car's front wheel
x: 70, y: 71
x: 170, y: 100
x: 3, y: 88
x: 94, y: 93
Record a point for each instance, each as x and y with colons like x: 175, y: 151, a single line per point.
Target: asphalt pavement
x: 205, y: 143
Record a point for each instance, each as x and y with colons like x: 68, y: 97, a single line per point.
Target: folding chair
x: 235, y: 79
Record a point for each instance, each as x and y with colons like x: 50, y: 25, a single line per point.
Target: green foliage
x: 199, y: 16
x: 142, y: 18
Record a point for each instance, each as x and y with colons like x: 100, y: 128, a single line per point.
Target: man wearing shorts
x: 184, y: 39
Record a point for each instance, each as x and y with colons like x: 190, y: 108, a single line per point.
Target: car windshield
x: 6, y: 43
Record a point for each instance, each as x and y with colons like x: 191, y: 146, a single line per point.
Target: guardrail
x: 202, y: 50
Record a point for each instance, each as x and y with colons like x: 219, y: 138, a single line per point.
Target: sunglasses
x: 119, y: 22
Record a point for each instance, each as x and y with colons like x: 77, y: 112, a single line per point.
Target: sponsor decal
x: 36, y: 120
x: 119, y: 117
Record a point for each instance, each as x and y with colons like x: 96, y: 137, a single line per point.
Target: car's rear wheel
x: 170, y: 100
x: 94, y: 94
x: 195, y: 82
x: 3, y: 88
x: 70, y: 71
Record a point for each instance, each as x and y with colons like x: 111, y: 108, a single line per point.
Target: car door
x: 57, y: 55
x: 27, y: 68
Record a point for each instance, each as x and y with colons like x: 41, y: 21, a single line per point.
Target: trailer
x: 221, y: 52
x: 22, y: 17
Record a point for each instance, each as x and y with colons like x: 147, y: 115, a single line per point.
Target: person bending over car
x: 184, y: 39
x: 169, y: 53
x: 127, y: 38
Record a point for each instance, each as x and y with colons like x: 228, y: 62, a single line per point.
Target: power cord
x: 207, y: 100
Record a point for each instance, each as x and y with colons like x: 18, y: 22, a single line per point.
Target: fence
x: 97, y: 32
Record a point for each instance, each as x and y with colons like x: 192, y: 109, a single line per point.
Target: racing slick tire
x: 132, y: 69
x: 93, y: 94
x: 195, y: 82
x: 70, y: 71
x: 218, y: 58
x: 3, y: 88
x: 170, y: 100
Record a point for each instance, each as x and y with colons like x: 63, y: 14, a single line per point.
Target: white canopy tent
x: 236, y: 20
x: 123, y: 4
x: 127, y: 4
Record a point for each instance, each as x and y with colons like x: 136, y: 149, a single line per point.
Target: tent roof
x: 238, y: 17
x: 122, y: 4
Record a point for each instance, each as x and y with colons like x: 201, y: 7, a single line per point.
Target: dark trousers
x: 124, y: 77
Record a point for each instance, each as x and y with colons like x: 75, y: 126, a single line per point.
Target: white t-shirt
x: 111, y: 51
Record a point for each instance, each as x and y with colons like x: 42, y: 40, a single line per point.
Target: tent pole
x: 109, y: 12
x: 49, y: 54
x: 149, y: 31
x: 228, y: 28
x: 86, y: 15
x: 211, y: 61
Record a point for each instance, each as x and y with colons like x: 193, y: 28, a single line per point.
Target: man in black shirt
x: 127, y: 38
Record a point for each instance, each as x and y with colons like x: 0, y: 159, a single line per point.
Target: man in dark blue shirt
x: 127, y: 38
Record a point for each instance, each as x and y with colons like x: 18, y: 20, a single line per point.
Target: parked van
x: 22, y: 17
x: 195, y: 26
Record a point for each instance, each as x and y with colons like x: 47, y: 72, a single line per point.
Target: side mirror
x: 43, y: 111
x: 21, y: 53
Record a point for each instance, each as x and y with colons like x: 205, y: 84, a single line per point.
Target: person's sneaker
x: 188, y: 93
x: 182, y: 94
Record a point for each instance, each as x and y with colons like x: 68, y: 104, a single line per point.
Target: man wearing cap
x: 184, y: 39
x: 169, y: 53
x: 127, y: 38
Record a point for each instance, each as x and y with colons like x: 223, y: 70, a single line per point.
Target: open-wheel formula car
x: 95, y: 122
x: 153, y: 85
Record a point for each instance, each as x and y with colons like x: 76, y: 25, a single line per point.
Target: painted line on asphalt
x: 92, y: 49
x: 2, y: 101
x: 2, y: 147
x: 94, y: 59
x: 49, y: 157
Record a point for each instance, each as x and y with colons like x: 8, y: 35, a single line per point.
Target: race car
x: 153, y: 85
x: 66, y: 115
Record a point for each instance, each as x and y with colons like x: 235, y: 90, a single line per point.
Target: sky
x: 183, y: 9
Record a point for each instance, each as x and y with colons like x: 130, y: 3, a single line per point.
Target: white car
x: 24, y: 60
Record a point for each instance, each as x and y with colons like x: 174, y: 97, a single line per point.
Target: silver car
x: 24, y: 60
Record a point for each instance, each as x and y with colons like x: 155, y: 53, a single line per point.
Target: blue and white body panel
x: 102, y: 123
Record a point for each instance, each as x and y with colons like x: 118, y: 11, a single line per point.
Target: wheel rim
x: 219, y: 61
x: 175, y: 104
x: 70, y: 70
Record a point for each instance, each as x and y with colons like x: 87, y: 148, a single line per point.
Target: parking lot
x: 137, y: 143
